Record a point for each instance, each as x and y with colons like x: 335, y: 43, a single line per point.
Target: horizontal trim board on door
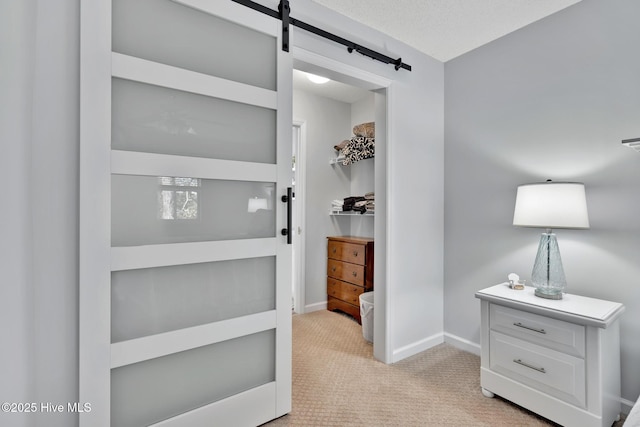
x: 152, y: 164
x: 149, y: 256
x: 157, y: 74
x: 231, y: 411
x: 153, y: 346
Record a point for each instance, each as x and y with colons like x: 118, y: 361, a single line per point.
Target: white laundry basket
x: 366, y: 315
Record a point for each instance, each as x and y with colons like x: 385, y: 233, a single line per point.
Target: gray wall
x: 362, y: 172
x: 552, y: 100
x: 39, y: 120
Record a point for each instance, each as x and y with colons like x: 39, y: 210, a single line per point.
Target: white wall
x: 552, y: 100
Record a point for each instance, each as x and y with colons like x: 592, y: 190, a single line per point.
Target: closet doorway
x: 360, y: 97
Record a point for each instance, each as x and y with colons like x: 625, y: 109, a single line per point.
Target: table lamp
x: 550, y: 205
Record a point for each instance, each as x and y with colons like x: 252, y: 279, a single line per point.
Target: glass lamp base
x: 548, y: 294
x: 548, y: 275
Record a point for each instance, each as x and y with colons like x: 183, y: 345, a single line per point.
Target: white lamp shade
x: 551, y: 205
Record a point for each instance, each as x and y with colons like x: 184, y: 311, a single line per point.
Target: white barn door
x: 185, y: 278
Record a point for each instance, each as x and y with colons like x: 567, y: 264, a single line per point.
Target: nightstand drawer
x: 345, y: 271
x: 556, y: 334
x: 549, y: 371
x: 345, y: 291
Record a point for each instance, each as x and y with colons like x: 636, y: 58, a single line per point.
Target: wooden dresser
x: 349, y: 272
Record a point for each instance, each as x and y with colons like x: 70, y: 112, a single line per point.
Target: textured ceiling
x: 444, y: 29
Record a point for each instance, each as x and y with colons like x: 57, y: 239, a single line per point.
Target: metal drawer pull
x: 355, y: 253
x: 535, y: 368
x: 520, y: 325
x: 355, y: 273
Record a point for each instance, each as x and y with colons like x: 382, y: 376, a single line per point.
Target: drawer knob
x: 355, y: 273
x: 355, y: 253
x: 333, y: 269
x: 334, y: 250
x: 535, y: 368
x: 520, y: 325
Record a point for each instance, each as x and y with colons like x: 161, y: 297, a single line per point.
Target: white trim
x: 144, y: 71
x: 95, y: 213
x: 626, y: 405
x: 152, y: 346
x: 134, y: 257
x: 417, y: 347
x: 151, y: 164
x: 462, y: 344
x: 284, y: 258
x: 300, y: 216
x: 248, y: 408
x: 305, y: 60
x: 382, y: 340
x: 315, y: 307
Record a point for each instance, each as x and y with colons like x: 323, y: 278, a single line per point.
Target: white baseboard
x: 315, y: 307
x: 626, y: 406
x: 462, y: 344
x: 417, y: 347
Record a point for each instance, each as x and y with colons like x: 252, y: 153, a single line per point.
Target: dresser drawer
x: 345, y: 291
x: 345, y: 307
x: 345, y: 271
x: 349, y: 252
x: 549, y: 371
x: 556, y: 334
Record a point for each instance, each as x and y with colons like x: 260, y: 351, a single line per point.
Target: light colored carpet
x: 337, y: 382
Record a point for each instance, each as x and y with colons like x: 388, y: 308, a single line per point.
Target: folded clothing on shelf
x: 350, y: 202
x: 358, y: 148
x: 340, y: 146
x: 368, y: 130
x: 337, y: 205
x: 360, y: 204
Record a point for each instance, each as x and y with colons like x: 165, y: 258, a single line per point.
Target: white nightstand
x: 557, y: 358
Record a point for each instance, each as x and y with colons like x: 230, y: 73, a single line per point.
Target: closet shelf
x: 338, y: 160
x: 350, y: 213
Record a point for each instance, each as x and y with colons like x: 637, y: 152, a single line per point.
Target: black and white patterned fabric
x: 358, y: 148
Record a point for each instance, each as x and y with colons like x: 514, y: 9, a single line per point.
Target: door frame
x: 299, y: 215
x: 311, y: 62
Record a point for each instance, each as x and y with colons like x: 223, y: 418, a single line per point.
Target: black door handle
x: 287, y: 199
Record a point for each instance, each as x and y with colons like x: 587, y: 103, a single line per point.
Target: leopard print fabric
x: 358, y: 148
